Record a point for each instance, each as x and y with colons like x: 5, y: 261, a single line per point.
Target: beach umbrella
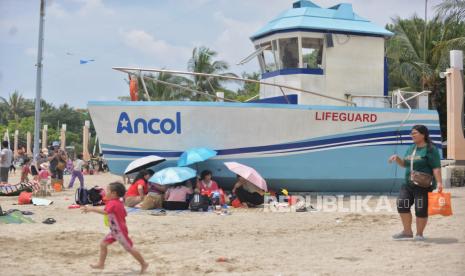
x: 195, y: 155
x: 173, y: 175
x: 143, y: 163
x: 248, y: 173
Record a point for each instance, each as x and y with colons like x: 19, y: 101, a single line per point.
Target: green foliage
x: 17, y: 113
x: 202, y: 61
x: 16, y: 106
x: 248, y: 89
x: 414, y: 66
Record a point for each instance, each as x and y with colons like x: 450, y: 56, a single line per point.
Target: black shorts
x: 409, y: 195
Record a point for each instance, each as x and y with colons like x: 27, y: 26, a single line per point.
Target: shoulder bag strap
x: 412, y: 156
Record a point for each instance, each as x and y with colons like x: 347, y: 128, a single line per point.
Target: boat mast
x: 39, y: 80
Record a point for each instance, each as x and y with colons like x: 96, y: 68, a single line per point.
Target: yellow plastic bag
x: 106, y: 221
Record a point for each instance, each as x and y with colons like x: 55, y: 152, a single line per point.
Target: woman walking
x: 422, y: 175
x: 77, y: 171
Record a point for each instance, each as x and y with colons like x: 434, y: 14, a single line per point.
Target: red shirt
x: 116, y: 216
x: 133, y: 189
x: 208, y: 190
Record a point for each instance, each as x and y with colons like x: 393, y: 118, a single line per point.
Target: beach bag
x: 439, y: 204
x: 199, y: 203
x: 96, y: 196
x: 57, y: 187
x: 421, y: 179
x: 82, y: 196
x: 25, y: 198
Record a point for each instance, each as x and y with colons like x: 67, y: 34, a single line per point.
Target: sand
x: 251, y: 242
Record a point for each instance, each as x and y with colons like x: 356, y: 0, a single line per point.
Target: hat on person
x: 44, y: 166
x: 55, y: 144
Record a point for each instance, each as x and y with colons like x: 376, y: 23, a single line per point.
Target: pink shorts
x: 123, y: 239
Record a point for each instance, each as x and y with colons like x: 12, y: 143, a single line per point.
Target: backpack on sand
x: 82, y: 196
x: 199, y: 203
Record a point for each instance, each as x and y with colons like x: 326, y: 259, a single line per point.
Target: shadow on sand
x: 442, y: 240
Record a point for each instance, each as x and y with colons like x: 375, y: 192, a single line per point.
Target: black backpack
x: 199, y: 203
x: 82, y: 196
x: 96, y: 195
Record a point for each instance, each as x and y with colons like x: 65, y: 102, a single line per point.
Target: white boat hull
x: 302, y: 148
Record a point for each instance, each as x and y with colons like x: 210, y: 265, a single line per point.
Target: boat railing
x: 140, y: 73
x: 370, y: 100
x: 397, y: 99
x: 410, y: 99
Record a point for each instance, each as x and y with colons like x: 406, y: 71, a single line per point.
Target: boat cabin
x: 331, y: 51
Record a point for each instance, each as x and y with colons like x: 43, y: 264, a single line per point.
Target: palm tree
x: 16, y: 105
x: 414, y: 68
x: 158, y: 91
x: 202, y: 62
x: 454, y: 9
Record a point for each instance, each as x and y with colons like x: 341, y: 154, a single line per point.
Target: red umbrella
x: 248, y: 173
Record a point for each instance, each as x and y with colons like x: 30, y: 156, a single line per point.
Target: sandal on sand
x: 401, y: 236
x: 159, y: 213
x: 49, y: 221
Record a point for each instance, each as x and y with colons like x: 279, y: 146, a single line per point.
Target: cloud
x: 161, y: 50
x: 233, y: 43
x: 56, y: 10
x: 94, y: 6
x: 81, y: 7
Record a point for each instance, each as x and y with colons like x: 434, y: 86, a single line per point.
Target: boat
x: 323, y: 121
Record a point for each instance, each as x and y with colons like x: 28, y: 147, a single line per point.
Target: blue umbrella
x: 173, y: 175
x: 195, y: 155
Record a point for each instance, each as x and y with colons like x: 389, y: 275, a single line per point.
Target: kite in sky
x: 82, y: 61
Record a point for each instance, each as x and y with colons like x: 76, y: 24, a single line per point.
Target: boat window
x: 289, y: 52
x: 267, y: 58
x: 312, y: 52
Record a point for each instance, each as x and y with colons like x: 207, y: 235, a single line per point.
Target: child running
x: 116, y: 213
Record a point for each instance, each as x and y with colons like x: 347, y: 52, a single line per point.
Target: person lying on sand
x: 115, y: 215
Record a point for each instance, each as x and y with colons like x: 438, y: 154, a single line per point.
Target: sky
x: 138, y: 33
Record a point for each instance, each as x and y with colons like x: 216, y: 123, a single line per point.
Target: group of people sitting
x: 147, y: 195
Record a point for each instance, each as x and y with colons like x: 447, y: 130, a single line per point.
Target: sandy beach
x: 252, y: 242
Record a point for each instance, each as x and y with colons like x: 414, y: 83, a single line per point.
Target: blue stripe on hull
x: 288, y: 147
x: 356, y: 169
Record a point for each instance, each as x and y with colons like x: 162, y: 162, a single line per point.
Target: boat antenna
x: 39, y: 81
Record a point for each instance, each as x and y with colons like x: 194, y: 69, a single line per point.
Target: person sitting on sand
x: 116, y: 214
x: 176, y: 196
x: 138, y: 189
x: 206, y: 184
x: 247, y: 193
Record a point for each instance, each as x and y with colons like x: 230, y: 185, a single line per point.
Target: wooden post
x: 28, y: 144
x: 85, y: 141
x: 63, y: 136
x: 455, y: 137
x: 44, y: 137
x: 15, y: 147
